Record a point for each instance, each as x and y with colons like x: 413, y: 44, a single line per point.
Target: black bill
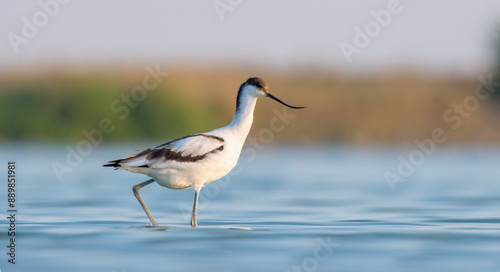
x: 275, y: 98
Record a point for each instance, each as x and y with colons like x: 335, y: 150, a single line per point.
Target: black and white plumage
x: 186, y: 149
x: 198, y: 159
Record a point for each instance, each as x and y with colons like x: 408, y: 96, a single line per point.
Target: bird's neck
x: 243, y: 116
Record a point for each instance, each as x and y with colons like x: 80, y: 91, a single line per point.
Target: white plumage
x: 199, y: 159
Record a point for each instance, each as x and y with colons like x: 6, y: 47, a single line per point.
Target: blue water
x: 310, y: 208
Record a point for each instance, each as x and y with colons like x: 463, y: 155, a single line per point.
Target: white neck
x: 243, y: 117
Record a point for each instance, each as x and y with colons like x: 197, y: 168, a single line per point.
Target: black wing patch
x: 169, y: 155
x: 161, y: 152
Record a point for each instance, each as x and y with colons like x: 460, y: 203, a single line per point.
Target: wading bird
x: 196, y: 160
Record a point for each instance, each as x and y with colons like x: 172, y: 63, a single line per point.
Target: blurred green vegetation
x: 59, y: 108
x: 387, y: 108
x: 496, y: 68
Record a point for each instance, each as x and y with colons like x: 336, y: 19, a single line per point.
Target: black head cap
x: 258, y: 82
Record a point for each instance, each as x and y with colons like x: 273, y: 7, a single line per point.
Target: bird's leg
x: 195, y: 207
x: 135, y: 189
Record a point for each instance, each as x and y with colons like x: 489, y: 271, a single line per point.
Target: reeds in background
x: 387, y: 108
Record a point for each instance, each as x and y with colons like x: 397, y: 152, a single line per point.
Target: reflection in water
x: 194, y: 229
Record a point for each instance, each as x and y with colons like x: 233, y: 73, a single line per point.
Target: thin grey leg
x: 135, y: 189
x: 195, y: 207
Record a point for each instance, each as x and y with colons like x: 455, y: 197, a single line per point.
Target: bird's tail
x: 115, y: 163
x: 136, y: 160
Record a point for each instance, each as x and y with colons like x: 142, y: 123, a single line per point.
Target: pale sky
x: 448, y: 35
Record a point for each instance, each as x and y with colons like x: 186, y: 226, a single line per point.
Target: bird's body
x: 205, y: 161
x: 198, y: 159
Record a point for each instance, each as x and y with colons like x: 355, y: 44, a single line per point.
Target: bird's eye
x: 258, y: 85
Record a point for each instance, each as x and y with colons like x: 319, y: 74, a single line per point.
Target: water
x: 288, y: 209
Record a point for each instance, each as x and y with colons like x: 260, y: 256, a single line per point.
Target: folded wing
x: 188, y: 149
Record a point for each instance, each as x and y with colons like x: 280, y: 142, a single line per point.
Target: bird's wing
x: 187, y: 149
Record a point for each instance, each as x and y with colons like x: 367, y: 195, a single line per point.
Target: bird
x: 196, y: 160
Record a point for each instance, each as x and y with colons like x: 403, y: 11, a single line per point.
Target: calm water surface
x: 288, y: 209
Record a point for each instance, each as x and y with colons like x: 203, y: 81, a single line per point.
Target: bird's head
x: 257, y: 87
